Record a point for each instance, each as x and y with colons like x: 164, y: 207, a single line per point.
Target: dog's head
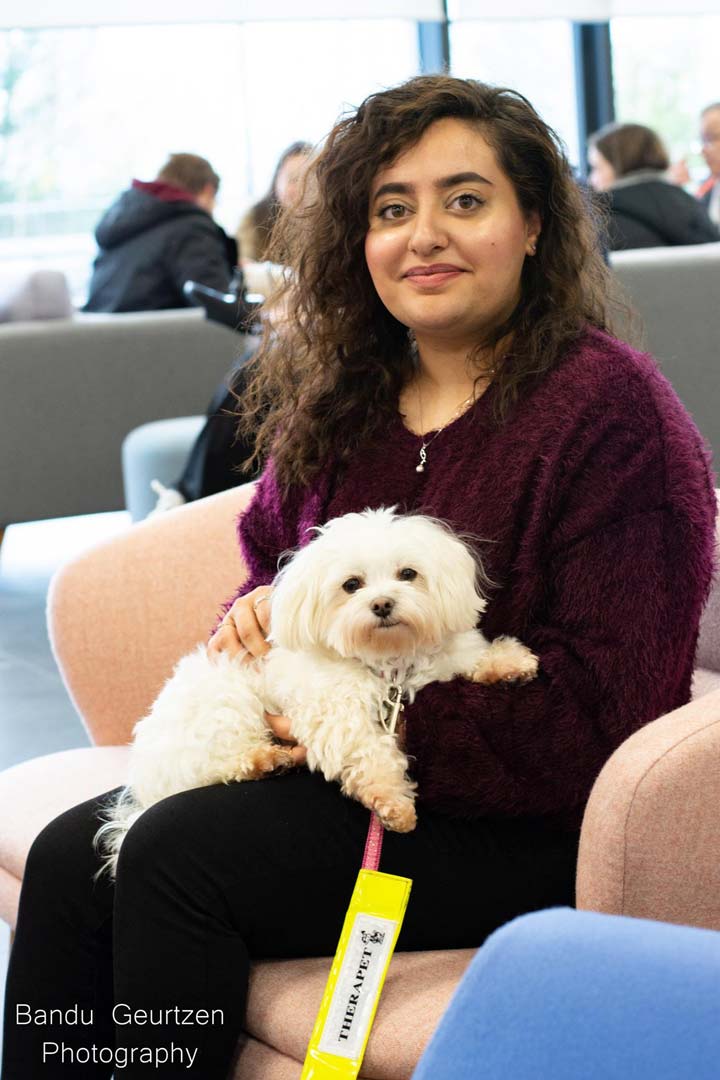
x: 377, y: 585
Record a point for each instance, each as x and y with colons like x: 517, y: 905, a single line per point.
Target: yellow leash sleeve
x: 357, y: 975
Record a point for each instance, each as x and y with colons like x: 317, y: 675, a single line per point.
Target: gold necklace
x: 464, y: 404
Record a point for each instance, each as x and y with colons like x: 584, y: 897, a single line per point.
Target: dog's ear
x: 295, y: 620
x: 456, y: 584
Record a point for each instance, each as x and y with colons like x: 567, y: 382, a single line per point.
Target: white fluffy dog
x: 376, y: 606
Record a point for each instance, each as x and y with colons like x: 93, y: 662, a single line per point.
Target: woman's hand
x: 243, y: 633
x: 245, y: 626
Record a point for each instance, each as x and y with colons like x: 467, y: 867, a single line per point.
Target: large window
x: 534, y: 56
x: 665, y: 71
x: 300, y: 76
x: 82, y: 111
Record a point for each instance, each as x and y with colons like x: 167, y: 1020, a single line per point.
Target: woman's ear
x: 533, y: 226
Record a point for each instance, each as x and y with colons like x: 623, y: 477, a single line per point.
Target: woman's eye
x: 468, y: 201
x: 407, y: 574
x: 352, y: 584
x: 394, y: 212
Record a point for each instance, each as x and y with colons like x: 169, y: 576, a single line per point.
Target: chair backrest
x: 71, y: 390
x: 38, y: 294
x: 122, y: 614
x: 675, y: 291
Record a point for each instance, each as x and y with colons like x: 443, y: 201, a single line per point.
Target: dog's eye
x: 407, y: 574
x: 352, y: 584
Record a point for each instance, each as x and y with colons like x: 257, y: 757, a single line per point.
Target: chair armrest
x: 123, y: 613
x: 650, y: 841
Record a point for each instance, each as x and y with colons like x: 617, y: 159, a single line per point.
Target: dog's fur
x: 346, y: 612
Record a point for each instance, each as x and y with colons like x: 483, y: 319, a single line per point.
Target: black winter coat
x: 650, y: 212
x: 150, y: 247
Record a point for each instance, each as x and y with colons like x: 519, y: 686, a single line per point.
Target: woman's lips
x: 435, y: 275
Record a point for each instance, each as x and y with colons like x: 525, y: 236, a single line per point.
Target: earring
x: 533, y: 248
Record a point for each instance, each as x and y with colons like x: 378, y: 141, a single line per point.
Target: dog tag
x: 357, y: 975
x: 392, y: 706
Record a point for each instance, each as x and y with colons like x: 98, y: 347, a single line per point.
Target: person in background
x: 628, y: 165
x: 218, y: 453
x: 158, y: 235
x: 217, y: 458
x: 709, y: 193
x: 254, y: 230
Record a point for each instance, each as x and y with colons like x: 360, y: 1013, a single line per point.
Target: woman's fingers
x: 244, y: 627
x: 226, y: 640
x: 280, y: 727
x: 298, y: 754
x: 250, y: 633
x: 261, y: 607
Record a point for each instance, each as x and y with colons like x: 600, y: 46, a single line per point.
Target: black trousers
x: 210, y: 879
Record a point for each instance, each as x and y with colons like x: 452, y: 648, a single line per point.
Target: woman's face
x: 602, y: 175
x: 447, y: 238
x: 288, y: 184
x: 710, y: 136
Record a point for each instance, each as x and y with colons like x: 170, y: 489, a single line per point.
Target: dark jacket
x: 220, y: 451
x: 706, y: 198
x: 150, y: 246
x: 647, y: 211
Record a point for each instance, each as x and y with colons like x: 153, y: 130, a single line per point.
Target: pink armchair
x: 120, y: 616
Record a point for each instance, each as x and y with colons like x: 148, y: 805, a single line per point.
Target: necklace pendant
x: 420, y: 467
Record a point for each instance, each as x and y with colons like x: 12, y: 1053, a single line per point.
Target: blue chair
x: 157, y: 450
x: 575, y: 995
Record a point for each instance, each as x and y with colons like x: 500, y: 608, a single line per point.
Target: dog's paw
x: 506, y: 661
x: 264, y: 760
x: 396, y: 813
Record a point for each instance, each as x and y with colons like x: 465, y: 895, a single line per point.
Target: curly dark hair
x: 328, y: 373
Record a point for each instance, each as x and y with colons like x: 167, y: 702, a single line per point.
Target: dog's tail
x: 117, y: 817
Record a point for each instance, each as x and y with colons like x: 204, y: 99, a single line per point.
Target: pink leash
x: 373, y: 844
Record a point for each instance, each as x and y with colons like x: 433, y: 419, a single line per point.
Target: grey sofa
x: 677, y: 294
x: 71, y: 389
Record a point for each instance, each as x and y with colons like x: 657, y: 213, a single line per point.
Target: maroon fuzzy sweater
x: 596, y: 508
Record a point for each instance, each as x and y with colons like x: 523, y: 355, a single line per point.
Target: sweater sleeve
x: 614, y: 620
x: 267, y: 529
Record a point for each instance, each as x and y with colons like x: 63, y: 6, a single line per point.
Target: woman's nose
x: 427, y: 234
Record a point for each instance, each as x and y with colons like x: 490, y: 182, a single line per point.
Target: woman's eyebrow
x: 462, y: 178
x: 398, y: 188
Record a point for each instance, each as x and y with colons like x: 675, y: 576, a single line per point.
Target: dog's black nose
x: 382, y: 606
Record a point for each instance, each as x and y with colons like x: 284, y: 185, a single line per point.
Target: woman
x: 261, y: 274
x: 447, y: 354
x: 255, y: 228
x: 628, y: 163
